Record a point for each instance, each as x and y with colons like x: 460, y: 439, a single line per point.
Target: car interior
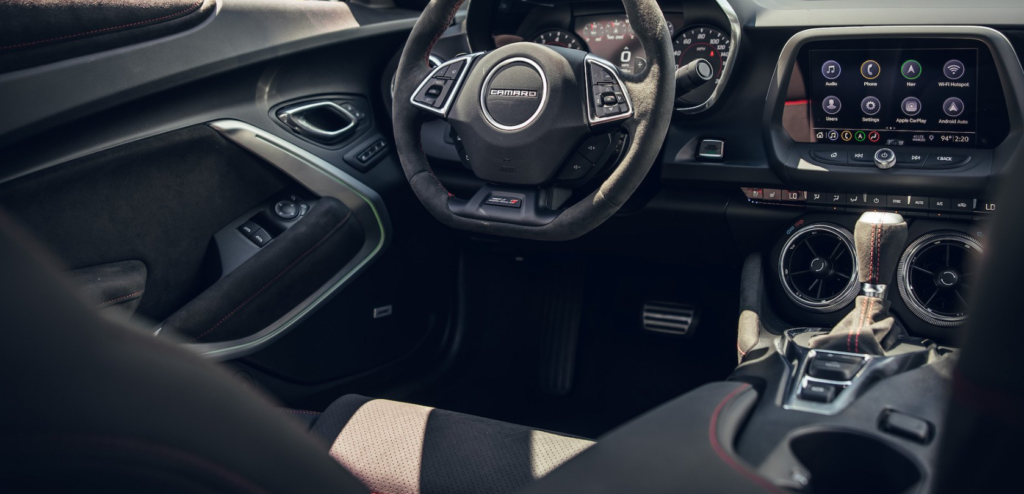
x: 511, y: 246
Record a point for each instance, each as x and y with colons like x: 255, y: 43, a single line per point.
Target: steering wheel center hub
x: 514, y: 93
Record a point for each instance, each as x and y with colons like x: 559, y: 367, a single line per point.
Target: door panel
x: 158, y: 200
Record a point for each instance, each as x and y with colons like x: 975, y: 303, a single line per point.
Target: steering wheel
x: 534, y: 122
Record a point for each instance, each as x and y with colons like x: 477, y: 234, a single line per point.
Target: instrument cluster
x: 611, y: 37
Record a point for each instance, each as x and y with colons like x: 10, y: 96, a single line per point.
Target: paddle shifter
x: 879, y: 239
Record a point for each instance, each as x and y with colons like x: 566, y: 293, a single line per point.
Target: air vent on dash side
x: 936, y: 276
x: 818, y: 267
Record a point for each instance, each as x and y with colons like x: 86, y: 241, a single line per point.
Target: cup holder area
x: 839, y: 462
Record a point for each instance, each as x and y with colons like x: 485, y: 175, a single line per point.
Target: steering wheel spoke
x: 440, y: 88
x: 607, y: 96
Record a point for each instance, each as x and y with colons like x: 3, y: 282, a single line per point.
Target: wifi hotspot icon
x: 953, y: 69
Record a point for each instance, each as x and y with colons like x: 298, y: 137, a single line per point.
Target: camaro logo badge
x: 514, y: 93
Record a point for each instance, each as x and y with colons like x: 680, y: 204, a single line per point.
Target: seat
x: 400, y: 448
x: 94, y: 405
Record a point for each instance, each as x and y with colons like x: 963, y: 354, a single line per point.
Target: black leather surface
x: 116, y: 287
x: 92, y: 406
x: 34, y: 32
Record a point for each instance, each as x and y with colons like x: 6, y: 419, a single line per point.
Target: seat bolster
x: 400, y: 448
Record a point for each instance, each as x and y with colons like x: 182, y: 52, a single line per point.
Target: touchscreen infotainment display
x: 894, y: 97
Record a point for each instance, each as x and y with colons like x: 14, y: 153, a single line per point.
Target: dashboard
x: 818, y: 111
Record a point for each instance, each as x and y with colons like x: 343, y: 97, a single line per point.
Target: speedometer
x: 702, y: 42
x: 558, y: 37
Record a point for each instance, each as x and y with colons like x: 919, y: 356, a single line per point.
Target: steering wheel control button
x: 837, y: 157
x: 870, y: 106
x: 911, y: 106
x: 452, y: 70
x: 831, y: 70
x: 834, y: 367
x: 248, y: 228
x: 885, y: 158
x: 286, y: 210
x: 504, y: 201
x: 260, y: 238
x: 953, y: 107
x: 819, y: 392
x: 435, y: 93
x: 953, y: 69
x: 594, y: 147
x: 946, y: 160
x: 911, y: 69
x: 514, y: 93
x: 870, y: 69
x: 577, y: 168
x: 831, y: 105
x: 604, y: 85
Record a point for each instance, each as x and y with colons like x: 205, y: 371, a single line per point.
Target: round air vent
x: 818, y: 267
x: 936, y: 276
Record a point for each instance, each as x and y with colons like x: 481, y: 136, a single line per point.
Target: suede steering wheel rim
x: 650, y: 92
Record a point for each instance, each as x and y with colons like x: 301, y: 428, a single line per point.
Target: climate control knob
x: 885, y: 158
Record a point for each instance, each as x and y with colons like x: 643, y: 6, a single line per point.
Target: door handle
x: 323, y: 121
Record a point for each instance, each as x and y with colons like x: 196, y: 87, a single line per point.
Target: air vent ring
x: 818, y: 267
x: 936, y: 276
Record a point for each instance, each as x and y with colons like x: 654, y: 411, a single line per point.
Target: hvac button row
x: 891, y: 202
x: 903, y: 159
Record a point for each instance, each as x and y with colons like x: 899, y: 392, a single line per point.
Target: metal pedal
x: 671, y: 318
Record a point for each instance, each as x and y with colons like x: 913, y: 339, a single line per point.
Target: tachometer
x: 559, y: 37
x: 702, y: 42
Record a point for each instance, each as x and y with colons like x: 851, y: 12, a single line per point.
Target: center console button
x: 876, y: 201
x: 946, y: 160
x: 885, y: 158
x: 830, y: 156
x: 898, y: 202
x: 865, y: 157
x: 773, y: 194
x: 962, y: 205
x: 834, y: 367
x: 819, y: 392
x: 939, y: 203
x: 918, y: 202
x: 855, y: 199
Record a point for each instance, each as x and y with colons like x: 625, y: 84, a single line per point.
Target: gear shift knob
x: 878, y: 239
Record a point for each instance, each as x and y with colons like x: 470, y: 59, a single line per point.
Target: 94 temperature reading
x: 955, y: 138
